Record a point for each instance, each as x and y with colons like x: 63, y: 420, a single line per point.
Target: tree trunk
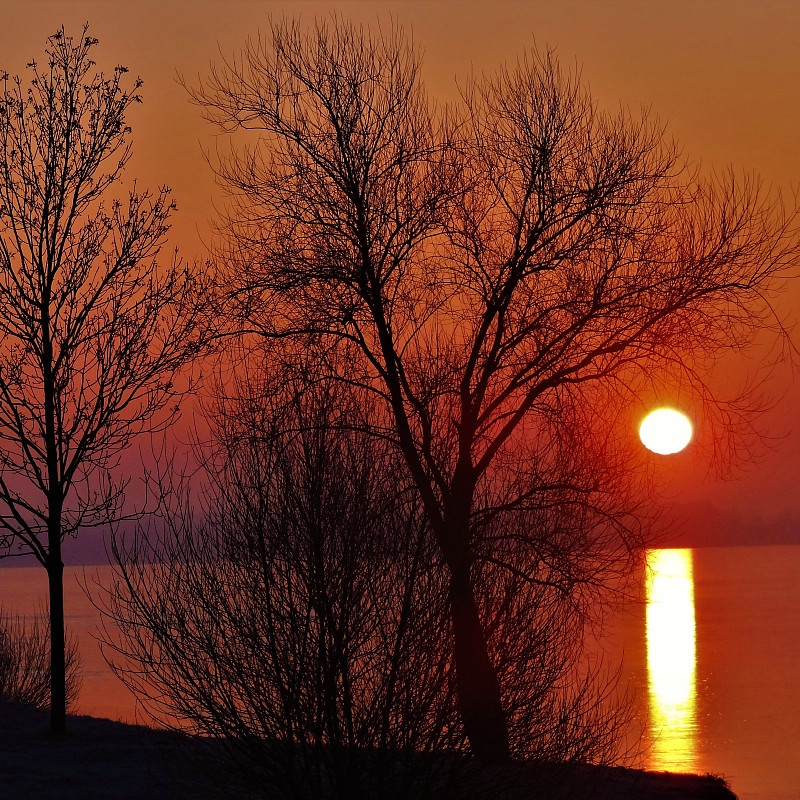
x: 58, y: 696
x: 479, y: 699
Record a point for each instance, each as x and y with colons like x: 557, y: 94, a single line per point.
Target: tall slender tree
x: 493, y: 273
x: 93, y: 329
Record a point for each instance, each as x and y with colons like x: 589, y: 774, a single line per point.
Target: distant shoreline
x: 676, y: 542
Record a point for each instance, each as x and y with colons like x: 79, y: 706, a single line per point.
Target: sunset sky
x: 723, y: 76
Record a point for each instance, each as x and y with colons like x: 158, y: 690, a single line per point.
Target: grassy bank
x: 101, y: 759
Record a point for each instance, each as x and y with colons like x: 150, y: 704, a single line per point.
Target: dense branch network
x: 499, y: 276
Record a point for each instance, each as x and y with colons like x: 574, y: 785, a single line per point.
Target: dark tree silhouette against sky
x: 93, y: 329
x: 488, y: 268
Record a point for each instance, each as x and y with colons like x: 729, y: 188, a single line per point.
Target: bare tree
x: 93, y: 330
x: 487, y: 274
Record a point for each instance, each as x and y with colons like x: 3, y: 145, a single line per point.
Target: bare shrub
x: 283, y: 620
x: 25, y: 661
x: 282, y: 613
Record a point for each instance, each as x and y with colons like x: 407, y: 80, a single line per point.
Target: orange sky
x: 723, y: 74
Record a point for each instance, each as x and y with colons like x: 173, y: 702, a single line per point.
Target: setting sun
x: 665, y: 431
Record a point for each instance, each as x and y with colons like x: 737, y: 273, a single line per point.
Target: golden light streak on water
x: 671, y: 660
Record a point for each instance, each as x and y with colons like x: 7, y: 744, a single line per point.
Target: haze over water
x: 713, y: 655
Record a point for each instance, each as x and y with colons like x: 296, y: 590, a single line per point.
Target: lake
x: 713, y: 654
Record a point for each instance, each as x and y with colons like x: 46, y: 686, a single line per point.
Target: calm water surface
x: 24, y: 589
x: 713, y: 654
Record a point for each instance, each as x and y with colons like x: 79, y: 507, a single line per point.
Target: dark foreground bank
x: 101, y: 760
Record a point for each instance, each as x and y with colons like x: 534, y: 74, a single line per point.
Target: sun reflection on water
x: 671, y: 660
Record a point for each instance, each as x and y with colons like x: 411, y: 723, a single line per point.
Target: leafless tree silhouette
x: 489, y: 269
x: 93, y: 330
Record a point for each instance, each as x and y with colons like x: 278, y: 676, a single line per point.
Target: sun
x: 665, y: 431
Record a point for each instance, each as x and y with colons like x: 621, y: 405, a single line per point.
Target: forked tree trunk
x: 479, y: 698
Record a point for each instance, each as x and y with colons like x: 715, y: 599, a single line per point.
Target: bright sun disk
x: 665, y: 431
